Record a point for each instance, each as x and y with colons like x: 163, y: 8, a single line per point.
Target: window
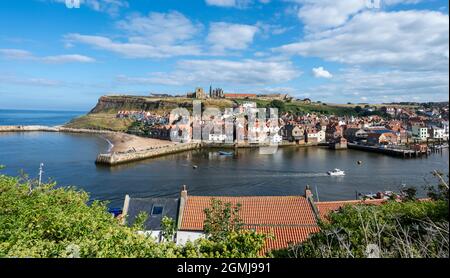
x: 157, y: 210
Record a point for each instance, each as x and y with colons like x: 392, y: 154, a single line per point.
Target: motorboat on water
x: 225, y: 153
x: 336, y: 172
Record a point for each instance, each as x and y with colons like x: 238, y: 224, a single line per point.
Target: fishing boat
x: 225, y: 153
x: 336, y: 172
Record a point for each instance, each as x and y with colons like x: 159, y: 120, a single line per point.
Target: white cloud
x: 246, y: 72
x: 229, y: 3
x: 159, y: 28
x: 112, y: 7
x: 320, y: 72
x: 157, y: 35
x: 233, y: 3
x: 405, y: 39
x: 382, y: 86
x: 328, y: 13
x: 134, y: 50
x: 221, y: 3
x: 323, y: 14
x: 28, y: 81
x: 19, y: 54
x: 223, y: 36
x: 268, y: 30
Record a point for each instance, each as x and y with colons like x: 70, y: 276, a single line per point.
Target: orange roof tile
x: 289, y: 218
x: 326, y: 207
x: 264, y: 210
x: 283, y: 236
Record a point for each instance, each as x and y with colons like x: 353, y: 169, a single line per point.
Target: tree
x: 168, y: 228
x: 358, y: 109
x: 221, y: 219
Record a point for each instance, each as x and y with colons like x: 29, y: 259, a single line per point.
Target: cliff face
x: 116, y: 103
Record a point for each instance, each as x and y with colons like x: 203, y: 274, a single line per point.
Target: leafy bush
x: 396, y: 230
x: 44, y: 221
x: 221, y: 220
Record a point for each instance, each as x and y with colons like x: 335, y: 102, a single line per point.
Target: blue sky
x: 336, y: 51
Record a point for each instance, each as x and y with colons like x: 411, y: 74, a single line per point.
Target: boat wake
x: 304, y: 175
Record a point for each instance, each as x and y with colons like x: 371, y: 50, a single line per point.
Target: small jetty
x: 397, y: 152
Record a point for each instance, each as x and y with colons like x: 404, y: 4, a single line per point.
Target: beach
x: 122, y: 142
x: 119, y: 142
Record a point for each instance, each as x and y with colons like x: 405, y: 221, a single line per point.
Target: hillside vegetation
x: 102, y: 116
x: 102, y: 121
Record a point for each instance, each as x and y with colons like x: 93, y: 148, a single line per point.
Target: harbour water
x: 69, y: 160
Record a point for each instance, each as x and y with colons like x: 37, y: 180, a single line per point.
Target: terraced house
x: 289, y: 219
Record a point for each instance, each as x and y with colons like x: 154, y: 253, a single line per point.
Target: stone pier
x: 119, y: 158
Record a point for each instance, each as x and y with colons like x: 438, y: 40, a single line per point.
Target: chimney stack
x: 182, y: 204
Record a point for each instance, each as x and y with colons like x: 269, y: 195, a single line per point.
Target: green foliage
x: 102, y: 121
x: 139, y: 221
x: 44, y: 221
x: 221, y: 219
x: 168, y: 228
x: 238, y: 244
x: 395, y: 229
x: 277, y: 104
x: 409, y: 193
x: 439, y: 192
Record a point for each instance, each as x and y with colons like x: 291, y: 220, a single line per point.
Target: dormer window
x: 157, y: 210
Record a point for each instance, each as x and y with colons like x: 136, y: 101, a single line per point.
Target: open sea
x: 36, y: 117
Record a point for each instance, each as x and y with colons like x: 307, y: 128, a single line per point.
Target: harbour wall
x: 120, y: 158
x: 29, y: 128
x: 112, y: 159
x: 388, y: 151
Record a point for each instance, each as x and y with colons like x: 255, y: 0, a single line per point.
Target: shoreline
x: 118, y: 142
x: 124, y: 148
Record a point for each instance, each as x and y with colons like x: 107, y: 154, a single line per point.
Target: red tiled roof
x: 289, y: 218
x: 284, y: 235
x: 266, y: 210
x: 326, y: 207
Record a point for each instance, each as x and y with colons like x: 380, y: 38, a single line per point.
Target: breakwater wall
x: 115, y: 158
x: 42, y: 128
x: 120, y: 158
x: 25, y: 128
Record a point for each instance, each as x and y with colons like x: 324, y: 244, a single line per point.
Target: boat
x: 336, y: 172
x: 381, y: 195
x: 225, y: 153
